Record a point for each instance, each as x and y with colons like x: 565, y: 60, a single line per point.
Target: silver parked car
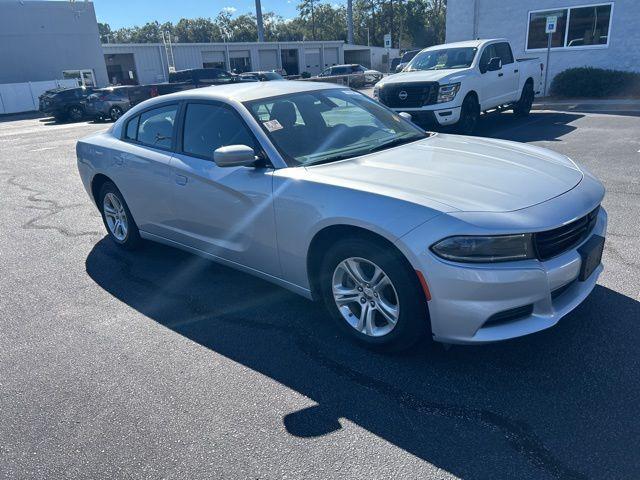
x: 328, y: 193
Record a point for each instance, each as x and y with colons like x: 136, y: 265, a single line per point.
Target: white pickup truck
x: 451, y: 84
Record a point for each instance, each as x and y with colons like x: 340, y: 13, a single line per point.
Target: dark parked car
x: 359, y: 76
x: 261, y: 76
x: 65, y: 103
x: 201, y: 77
x: 405, y: 59
x: 112, y: 102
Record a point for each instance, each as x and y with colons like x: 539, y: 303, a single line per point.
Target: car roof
x: 243, y: 92
x: 467, y: 43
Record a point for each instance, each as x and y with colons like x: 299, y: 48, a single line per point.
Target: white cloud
x: 229, y: 10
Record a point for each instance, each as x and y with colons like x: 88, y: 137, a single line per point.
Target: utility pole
x: 350, y: 22
x: 260, y: 24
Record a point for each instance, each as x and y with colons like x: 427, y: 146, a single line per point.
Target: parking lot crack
x: 49, y: 208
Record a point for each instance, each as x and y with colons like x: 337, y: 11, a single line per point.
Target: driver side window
x: 208, y: 127
x: 487, y: 55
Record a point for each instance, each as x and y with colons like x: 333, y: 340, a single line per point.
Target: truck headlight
x: 483, y: 249
x: 448, y: 92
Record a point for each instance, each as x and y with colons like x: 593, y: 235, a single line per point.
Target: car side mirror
x: 234, y: 156
x: 406, y: 116
x: 494, y: 64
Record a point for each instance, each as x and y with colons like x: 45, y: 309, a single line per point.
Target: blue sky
x: 126, y: 13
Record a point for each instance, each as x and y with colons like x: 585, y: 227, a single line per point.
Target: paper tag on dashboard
x: 272, y: 125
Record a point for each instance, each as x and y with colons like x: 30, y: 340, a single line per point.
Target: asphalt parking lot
x: 158, y: 364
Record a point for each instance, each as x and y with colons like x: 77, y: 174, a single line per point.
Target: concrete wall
x: 40, y: 39
x: 509, y: 19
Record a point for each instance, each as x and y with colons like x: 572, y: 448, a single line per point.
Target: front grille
x: 417, y: 94
x: 554, y: 242
x: 508, y: 316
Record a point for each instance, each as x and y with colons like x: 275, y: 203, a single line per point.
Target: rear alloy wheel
x: 469, y: 115
x: 115, y: 113
x: 117, y: 218
x: 373, y: 294
x: 523, y: 106
x: 75, y: 113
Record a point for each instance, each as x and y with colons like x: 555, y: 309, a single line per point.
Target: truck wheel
x: 469, y: 115
x: 523, y: 106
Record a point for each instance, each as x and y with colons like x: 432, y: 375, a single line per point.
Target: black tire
x: 413, y: 320
x: 75, y: 113
x: 115, y: 113
x: 60, y: 117
x: 132, y: 239
x: 469, y: 115
x: 523, y: 106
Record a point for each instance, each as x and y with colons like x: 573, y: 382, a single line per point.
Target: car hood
x: 457, y: 173
x: 442, y: 76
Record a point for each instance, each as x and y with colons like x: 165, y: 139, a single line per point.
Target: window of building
x: 208, y: 127
x: 576, y: 27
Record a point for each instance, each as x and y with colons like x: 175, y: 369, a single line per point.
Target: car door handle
x: 181, y: 179
x: 500, y: 74
x: 515, y: 71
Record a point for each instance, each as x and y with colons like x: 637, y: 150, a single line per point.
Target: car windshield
x: 272, y: 76
x: 329, y: 125
x: 445, y: 58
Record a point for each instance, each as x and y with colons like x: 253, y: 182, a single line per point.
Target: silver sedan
x: 331, y: 195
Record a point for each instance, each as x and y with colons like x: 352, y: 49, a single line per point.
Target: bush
x: 595, y: 82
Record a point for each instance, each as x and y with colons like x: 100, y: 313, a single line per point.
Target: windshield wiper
x: 333, y: 158
x: 394, y: 143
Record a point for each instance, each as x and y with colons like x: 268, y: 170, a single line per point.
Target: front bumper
x: 466, y: 296
x: 443, y: 117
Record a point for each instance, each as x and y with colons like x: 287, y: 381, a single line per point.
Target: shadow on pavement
x: 539, y: 126
x: 558, y: 404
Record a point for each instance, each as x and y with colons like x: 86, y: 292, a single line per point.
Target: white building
x: 593, y: 33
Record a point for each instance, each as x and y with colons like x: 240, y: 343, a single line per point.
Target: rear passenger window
x: 155, y: 127
x: 132, y: 129
x: 208, y: 127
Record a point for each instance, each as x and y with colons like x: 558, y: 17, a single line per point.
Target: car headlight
x: 448, y: 92
x: 482, y: 249
x: 376, y: 90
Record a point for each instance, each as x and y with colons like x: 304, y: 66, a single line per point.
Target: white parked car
x: 451, y: 84
x: 322, y: 190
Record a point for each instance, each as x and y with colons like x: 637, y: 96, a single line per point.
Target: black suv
x: 65, y: 103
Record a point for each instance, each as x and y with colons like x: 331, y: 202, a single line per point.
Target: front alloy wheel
x: 373, y: 294
x: 365, y: 297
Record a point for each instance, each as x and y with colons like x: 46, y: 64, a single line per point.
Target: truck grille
x: 409, y: 95
x: 554, y: 242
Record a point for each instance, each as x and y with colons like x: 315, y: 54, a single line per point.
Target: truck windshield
x: 445, y: 58
x: 328, y: 125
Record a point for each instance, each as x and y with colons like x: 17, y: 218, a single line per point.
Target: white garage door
x: 268, y: 59
x: 312, y: 61
x: 331, y: 56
